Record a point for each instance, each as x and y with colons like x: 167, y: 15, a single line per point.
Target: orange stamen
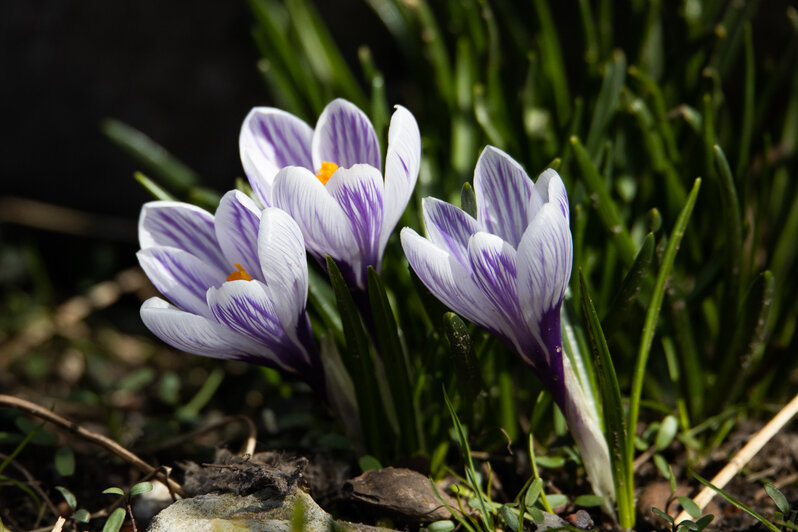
x: 326, y: 171
x: 239, y: 275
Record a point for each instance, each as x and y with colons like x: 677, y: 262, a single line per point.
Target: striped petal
x: 284, y: 266
x: 183, y: 278
x: 401, y: 169
x: 449, y: 228
x: 184, y: 226
x: 237, y: 220
x: 359, y: 192
x: 344, y: 136
x: 544, y: 258
x: 448, y: 280
x: 493, y: 263
x: 325, y: 227
x: 196, y: 334
x: 503, y: 192
x: 549, y: 188
x: 271, y: 139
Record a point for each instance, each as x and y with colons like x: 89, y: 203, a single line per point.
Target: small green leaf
x: 778, y: 497
x: 113, y: 491
x: 141, y: 487
x: 81, y: 516
x: 441, y: 526
x: 662, y: 515
x: 533, y: 492
x: 65, y: 461
x: 666, y: 433
x: 115, y: 521
x: 551, y: 462
x: 368, y: 462
x: 690, y: 507
x: 704, y: 521
x: 509, y: 517
x: 557, y: 499
x: 537, y: 515
x: 589, y: 501
x: 69, y: 497
x: 662, y: 465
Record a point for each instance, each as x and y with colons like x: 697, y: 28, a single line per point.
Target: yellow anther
x: 326, y: 171
x: 239, y: 275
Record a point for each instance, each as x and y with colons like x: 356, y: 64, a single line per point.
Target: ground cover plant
x: 555, y: 277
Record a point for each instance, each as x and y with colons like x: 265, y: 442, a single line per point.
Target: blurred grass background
x: 631, y: 100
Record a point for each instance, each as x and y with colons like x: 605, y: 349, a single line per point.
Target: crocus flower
x: 329, y: 179
x: 236, y: 283
x: 507, y: 270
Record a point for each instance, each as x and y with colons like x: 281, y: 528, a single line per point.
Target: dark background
x: 182, y: 72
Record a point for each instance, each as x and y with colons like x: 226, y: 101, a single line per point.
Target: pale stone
x: 233, y: 513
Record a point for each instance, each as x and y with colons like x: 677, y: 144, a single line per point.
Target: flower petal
x: 284, y: 266
x: 324, y: 226
x: 184, y: 226
x: 245, y: 307
x: 271, y: 139
x: 359, y: 192
x: 195, y: 334
x: 344, y: 136
x: 448, y: 280
x: 449, y: 228
x: 544, y: 259
x: 180, y: 276
x: 549, y: 188
x: 493, y: 262
x: 237, y: 220
x: 401, y: 168
x: 503, y: 193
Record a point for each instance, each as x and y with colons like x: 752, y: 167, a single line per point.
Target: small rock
x: 235, y: 513
x: 581, y: 519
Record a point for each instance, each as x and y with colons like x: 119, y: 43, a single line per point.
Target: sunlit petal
x: 180, y: 276
x: 344, y: 136
x: 503, y: 191
x: 271, y: 139
x: 237, y: 221
x: 181, y: 225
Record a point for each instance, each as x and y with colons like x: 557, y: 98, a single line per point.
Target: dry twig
x: 744, y: 455
x: 99, y: 439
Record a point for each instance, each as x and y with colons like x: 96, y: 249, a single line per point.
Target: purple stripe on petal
x: 180, y: 276
x: 449, y: 281
x: 358, y: 190
x: 344, y: 136
x: 237, y: 221
x: 449, y: 228
x: 181, y: 225
x: 544, y: 259
x: 245, y: 307
x: 284, y: 266
x: 195, y: 334
x: 549, y: 188
x: 503, y: 192
x: 325, y: 227
x: 493, y: 263
x: 271, y: 139
x: 402, y: 163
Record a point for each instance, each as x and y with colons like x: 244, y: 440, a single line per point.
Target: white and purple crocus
x: 236, y: 284
x: 507, y: 270
x: 330, y: 179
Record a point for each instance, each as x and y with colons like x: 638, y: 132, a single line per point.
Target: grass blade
x: 359, y: 364
x: 396, y: 363
x: 618, y: 309
x: 653, y: 312
x: 614, y: 427
x: 735, y: 502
